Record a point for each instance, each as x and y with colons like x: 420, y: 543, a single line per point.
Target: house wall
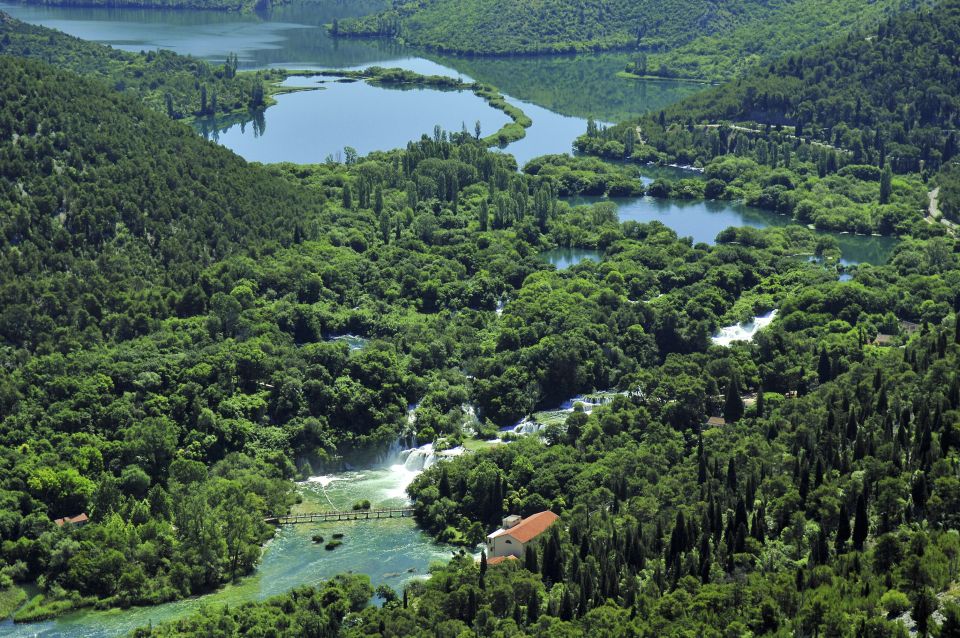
x: 504, y: 545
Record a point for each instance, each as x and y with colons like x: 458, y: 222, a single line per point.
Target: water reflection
x: 564, y: 258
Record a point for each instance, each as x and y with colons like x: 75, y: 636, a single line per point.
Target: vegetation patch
x: 11, y: 598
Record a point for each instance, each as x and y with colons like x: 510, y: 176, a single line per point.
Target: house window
x: 508, y: 542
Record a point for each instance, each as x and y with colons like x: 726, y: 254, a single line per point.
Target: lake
x: 703, y: 220
x: 370, y: 119
x: 559, y: 94
x: 563, y: 258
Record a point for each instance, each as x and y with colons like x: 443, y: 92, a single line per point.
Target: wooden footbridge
x: 351, y: 515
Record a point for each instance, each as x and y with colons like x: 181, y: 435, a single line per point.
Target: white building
x: 512, y: 538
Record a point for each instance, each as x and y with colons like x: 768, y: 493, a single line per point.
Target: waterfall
x: 418, y: 459
x: 524, y: 427
x: 743, y: 331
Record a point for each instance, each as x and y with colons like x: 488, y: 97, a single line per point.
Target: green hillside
x: 833, y: 135
x: 501, y: 27
x: 677, y: 38
x: 178, y: 85
x: 794, y: 26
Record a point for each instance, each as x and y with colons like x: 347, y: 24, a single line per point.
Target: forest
x: 825, y: 505
x: 677, y: 38
x: 836, y: 135
x: 794, y: 26
x: 181, y: 86
x: 498, y: 27
x: 172, y: 354
x: 167, y: 357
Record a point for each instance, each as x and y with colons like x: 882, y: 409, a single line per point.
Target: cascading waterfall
x: 525, y: 426
x: 743, y: 331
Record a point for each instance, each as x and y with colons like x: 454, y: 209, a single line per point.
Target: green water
x: 390, y: 551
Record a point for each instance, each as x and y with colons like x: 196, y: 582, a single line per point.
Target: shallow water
x: 308, y: 127
x: 390, y: 551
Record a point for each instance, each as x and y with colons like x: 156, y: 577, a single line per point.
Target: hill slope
x: 744, y: 30
x: 179, y: 85
x: 894, y: 89
x: 814, y: 134
x: 491, y: 27
x: 89, y: 174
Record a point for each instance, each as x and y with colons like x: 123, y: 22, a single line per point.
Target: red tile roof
x: 73, y: 520
x: 530, y: 527
x: 499, y: 559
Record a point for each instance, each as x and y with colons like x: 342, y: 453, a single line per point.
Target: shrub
x: 894, y: 602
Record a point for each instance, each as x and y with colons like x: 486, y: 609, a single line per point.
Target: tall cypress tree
x: 733, y: 405
x: 533, y: 607
x: 843, y: 531
x: 530, y: 559
x: 861, y: 524
x: 824, y: 366
x: 483, y: 569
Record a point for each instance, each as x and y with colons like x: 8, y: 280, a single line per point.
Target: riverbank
x: 391, y: 551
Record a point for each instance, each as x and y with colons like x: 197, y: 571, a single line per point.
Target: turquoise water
x: 390, y: 551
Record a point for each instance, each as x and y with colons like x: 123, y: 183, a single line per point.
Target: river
x: 558, y: 94
x: 390, y: 551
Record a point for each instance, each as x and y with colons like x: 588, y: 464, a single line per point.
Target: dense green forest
x: 178, y: 85
x: 170, y: 352
x: 679, y: 38
x: 825, y: 506
x: 834, y: 135
x: 793, y: 26
x: 498, y: 27
x: 168, y: 313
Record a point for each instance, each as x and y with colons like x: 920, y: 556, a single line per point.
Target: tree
x: 824, y: 367
x: 733, y: 404
x: 886, y: 187
x: 861, y: 524
x: 483, y: 569
x: 484, y: 215
x: 533, y: 606
x: 530, y: 562
x: 843, y: 531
